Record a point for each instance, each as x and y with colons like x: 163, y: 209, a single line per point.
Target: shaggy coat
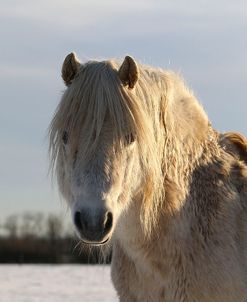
x: 176, y: 188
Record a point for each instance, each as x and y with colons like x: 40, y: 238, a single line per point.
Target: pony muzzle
x: 93, y: 226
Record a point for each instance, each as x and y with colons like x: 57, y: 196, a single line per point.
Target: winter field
x: 56, y: 283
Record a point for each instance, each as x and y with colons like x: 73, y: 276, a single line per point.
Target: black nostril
x: 78, y: 221
x: 93, y: 225
x: 108, y: 222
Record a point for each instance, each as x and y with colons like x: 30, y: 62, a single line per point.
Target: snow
x: 56, y: 283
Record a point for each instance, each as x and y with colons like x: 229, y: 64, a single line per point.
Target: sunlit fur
x: 182, y: 236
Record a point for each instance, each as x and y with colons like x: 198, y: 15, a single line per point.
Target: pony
x: 142, y: 169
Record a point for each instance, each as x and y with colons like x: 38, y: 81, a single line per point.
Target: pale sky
x: 205, y: 41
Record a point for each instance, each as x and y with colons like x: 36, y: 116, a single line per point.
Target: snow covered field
x: 56, y: 283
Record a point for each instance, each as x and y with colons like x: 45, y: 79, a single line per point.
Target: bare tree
x: 11, y: 226
x: 54, y: 227
x: 38, y: 224
x: 32, y: 225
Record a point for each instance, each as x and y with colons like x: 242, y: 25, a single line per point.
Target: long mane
x: 97, y: 94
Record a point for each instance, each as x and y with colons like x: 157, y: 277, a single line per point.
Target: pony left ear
x: 128, y: 72
x: 70, y: 68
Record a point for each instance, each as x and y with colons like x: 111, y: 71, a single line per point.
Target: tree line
x: 43, y: 238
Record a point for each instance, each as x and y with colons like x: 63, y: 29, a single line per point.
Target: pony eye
x: 129, y: 138
x: 65, y: 137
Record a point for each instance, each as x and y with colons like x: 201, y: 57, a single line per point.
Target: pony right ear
x: 70, y: 68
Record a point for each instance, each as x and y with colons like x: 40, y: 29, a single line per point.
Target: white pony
x: 138, y: 161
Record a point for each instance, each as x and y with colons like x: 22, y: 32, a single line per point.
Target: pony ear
x: 70, y: 67
x: 128, y: 72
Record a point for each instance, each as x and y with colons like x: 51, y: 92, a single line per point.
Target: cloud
x: 70, y: 14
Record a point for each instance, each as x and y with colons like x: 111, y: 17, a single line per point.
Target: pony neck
x: 177, y: 181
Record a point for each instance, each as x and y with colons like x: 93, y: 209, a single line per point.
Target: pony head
x: 102, y: 144
x: 119, y: 132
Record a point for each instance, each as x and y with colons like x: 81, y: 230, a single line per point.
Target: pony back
x: 235, y: 144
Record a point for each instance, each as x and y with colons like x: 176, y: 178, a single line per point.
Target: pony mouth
x: 95, y: 242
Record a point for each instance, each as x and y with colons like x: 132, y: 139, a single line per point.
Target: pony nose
x: 93, y: 226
